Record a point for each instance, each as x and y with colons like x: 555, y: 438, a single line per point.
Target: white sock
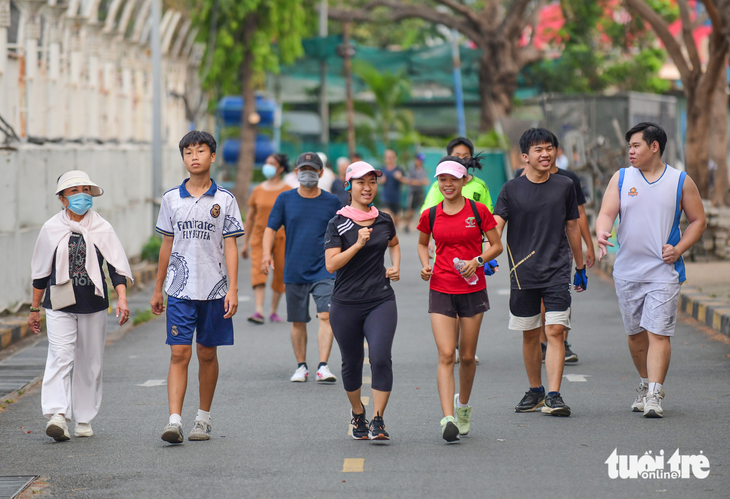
x: 203, y: 416
x: 655, y: 387
x: 175, y: 419
x: 460, y: 405
x: 645, y: 381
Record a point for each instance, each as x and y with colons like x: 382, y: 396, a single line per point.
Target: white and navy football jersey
x: 197, y: 268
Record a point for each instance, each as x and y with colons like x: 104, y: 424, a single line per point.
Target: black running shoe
x: 359, y: 425
x: 543, y: 346
x: 555, y: 406
x: 531, y: 401
x: 570, y: 355
x: 378, y: 430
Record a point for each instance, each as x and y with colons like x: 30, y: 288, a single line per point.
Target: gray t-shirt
x: 417, y: 174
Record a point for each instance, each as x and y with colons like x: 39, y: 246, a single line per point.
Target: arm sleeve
x: 164, y: 219
x: 433, y: 197
x: 276, y: 217
x: 571, y: 206
x: 501, y: 209
x: 115, y: 277
x: 252, y: 198
x: 424, y: 224
x: 233, y: 226
x: 331, y: 236
x: 393, y: 231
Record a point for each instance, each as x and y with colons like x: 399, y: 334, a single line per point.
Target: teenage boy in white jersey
x: 649, y: 270
x: 199, y: 261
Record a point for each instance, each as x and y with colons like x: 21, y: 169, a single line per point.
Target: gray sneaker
x: 653, y: 405
x: 200, y: 431
x: 641, y: 391
x: 173, y: 433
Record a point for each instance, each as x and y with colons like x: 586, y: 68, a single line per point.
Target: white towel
x: 97, y: 232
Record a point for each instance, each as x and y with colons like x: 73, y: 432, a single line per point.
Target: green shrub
x: 151, y: 250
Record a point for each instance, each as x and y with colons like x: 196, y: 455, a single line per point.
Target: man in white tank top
x: 649, y: 198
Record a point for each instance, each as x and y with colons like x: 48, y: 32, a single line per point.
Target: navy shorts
x: 185, y: 316
x: 297, y: 299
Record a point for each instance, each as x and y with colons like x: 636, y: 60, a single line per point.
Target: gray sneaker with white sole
x: 200, y: 431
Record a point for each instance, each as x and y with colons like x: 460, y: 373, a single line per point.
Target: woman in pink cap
x: 458, y: 295
x: 363, y: 302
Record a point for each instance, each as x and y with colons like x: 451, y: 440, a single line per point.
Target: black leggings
x: 376, y: 323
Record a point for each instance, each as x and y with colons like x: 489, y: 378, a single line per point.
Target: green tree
x: 246, y: 38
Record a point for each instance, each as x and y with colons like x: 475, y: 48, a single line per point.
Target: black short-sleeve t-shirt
x: 572, y: 176
x: 537, y: 248
x: 362, y: 279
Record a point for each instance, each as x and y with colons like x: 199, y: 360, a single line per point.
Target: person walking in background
x: 260, y: 203
x: 304, y: 213
x: 198, y: 266
x: 68, y: 276
x: 328, y: 176
x: 392, y: 178
x: 649, y: 198
x: 363, y: 302
x: 417, y: 180
x: 338, y: 183
x: 458, y: 289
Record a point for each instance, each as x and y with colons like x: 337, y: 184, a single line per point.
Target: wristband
x: 35, y: 309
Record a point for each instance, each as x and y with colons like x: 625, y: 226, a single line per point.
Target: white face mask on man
x: 307, y: 178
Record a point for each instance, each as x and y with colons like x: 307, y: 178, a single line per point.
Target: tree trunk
x: 698, y: 137
x: 719, y: 142
x: 497, y: 83
x: 348, y: 91
x: 247, y: 155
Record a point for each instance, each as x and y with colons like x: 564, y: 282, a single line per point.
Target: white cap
x: 75, y: 178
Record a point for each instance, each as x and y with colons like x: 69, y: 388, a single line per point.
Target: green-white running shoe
x: 449, y: 430
x: 463, y: 417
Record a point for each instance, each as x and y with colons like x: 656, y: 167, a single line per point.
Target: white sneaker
x: 653, y: 405
x: 324, y: 374
x: 457, y: 357
x: 58, y: 428
x: 83, y: 430
x: 300, y: 375
x: 641, y: 392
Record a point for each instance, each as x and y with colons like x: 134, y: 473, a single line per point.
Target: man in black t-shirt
x: 585, y: 231
x: 541, y: 209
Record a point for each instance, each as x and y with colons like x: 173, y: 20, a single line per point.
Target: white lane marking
x: 367, y: 379
x: 244, y: 298
x: 503, y: 292
x: 366, y: 361
x: 577, y: 378
x: 365, y: 400
x: 353, y: 465
x: 349, y: 429
x: 154, y: 382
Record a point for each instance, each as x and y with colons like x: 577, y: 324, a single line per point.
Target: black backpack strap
x: 432, y: 217
x: 478, y: 218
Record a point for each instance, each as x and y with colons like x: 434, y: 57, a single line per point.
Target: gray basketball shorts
x: 650, y: 306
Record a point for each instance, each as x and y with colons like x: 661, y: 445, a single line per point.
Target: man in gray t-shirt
x: 417, y: 179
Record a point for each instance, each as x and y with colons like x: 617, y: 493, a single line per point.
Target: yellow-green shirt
x: 475, y: 189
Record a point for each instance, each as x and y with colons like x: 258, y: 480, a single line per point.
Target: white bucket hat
x: 75, y: 178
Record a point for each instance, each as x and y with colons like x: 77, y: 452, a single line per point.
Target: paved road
x: 273, y: 438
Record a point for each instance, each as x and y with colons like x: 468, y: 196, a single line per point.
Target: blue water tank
x: 264, y: 149
x: 230, y: 108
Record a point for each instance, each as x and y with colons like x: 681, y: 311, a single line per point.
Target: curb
x: 15, y: 328
x: 709, y: 311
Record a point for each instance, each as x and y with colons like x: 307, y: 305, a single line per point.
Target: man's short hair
x: 195, y: 138
x: 536, y: 136
x: 651, y: 132
x: 459, y: 141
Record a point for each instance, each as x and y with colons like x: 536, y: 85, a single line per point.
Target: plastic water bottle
x: 459, y: 266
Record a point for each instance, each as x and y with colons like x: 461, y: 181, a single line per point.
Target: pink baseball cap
x: 359, y: 169
x: 451, y: 168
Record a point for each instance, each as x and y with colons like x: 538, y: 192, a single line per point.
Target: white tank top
x: 648, y: 219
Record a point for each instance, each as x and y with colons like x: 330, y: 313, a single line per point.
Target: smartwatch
x: 480, y: 261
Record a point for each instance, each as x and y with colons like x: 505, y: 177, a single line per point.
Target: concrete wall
x: 28, y: 178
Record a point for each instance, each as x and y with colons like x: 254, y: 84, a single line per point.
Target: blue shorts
x: 185, y: 316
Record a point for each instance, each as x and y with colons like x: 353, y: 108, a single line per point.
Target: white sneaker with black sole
x: 325, y: 375
x: 57, y: 428
x: 653, y: 405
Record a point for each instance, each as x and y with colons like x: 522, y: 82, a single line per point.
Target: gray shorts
x: 650, y: 306
x: 297, y: 299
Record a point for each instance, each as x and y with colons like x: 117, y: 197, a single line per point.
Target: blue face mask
x: 80, y: 203
x: 269, y: 171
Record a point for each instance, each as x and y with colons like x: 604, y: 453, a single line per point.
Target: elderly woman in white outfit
x: 68, y: 277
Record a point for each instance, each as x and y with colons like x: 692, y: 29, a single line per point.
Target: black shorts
x: 416, y: 199
x: 466, y: 305
x: 393, y: 206
x: 525, y: 307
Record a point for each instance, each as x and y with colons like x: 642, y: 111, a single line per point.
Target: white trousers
x: 72, y: 380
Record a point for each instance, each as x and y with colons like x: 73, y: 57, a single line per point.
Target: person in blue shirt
x: 304, y: 213
x: 393, y: 176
